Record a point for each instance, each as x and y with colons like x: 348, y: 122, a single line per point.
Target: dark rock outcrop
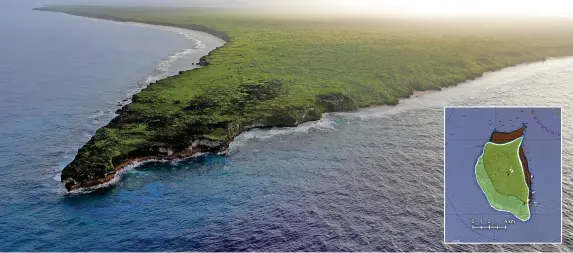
x: 203, y: 61
x: 75, y: 179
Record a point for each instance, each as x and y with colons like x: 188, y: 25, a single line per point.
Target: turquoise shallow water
x: 369, y: 180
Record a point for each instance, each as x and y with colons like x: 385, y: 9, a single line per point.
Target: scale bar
x: 490, y: 227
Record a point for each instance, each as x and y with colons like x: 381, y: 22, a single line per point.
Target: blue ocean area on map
x: 469, y: 217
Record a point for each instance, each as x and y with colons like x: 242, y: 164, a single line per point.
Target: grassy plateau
x: 283, y: 70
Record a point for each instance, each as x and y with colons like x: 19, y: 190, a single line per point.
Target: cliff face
x: 166, y: 137
x: 283, y: 72
x: 94, y: 165
x: 78, y: 174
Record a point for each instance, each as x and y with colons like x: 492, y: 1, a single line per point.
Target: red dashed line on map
x: 540, y: 123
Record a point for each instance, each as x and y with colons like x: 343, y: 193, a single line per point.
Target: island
x: 503, y: 174
x: 281, y: 71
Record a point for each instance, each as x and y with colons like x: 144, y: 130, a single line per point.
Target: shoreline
x: 191, y: 27
x: 137, y: 161
x: 221, y: 146
x: 197, y: 37
x: 134, y: 162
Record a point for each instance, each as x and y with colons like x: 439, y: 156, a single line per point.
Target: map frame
x: 445, y: 242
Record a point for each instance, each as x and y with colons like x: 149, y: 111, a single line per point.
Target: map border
x: 561, y: 176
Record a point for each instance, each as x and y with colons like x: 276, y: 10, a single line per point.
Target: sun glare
x: 450, y: 7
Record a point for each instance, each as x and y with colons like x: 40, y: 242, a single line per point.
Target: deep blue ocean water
x: 369, y: 180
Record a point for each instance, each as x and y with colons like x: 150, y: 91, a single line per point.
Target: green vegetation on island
x: 282, y: 71
x: 501, y: 176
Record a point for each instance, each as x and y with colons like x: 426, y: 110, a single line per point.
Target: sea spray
x: 118, y: 175
x: 201, y: 44
x: 162, y: 70
x: 326, y: 123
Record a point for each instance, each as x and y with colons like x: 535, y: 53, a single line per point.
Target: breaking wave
x: 164, y: 68
x: 118, y: 176
x: 326, y: 123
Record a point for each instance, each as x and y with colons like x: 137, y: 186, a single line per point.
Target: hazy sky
x: 560, y: 8
x: 432, y: 7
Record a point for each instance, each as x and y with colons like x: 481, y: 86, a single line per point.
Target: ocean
x: 370, y: 180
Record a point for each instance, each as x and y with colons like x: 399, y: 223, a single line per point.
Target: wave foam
x: 165, y: 67
x: 326, y: 123
x: 198, y: 44
x: 118, y: 176
x: 470, y: 90
x: 112, y: 182
x: 100, y: 114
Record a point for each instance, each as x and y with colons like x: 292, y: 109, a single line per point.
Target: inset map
x: 502, y: 175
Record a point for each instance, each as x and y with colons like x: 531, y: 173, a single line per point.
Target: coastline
x: 216, y: 147
x: 189, y: 152
x: 136, y: 161
x: 198, y: 37
x: 181, y: 156
x: 500, y: 139
x: 192, y: 27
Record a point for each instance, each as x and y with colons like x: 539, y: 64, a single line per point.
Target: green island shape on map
x: 501, y: 176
